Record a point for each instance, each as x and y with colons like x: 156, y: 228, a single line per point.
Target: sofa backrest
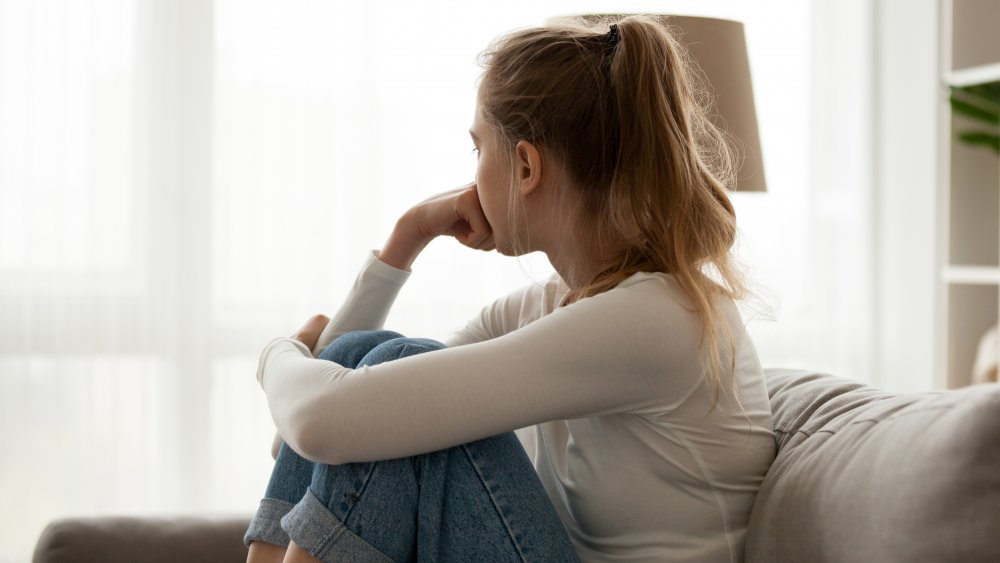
x: 866, y: 475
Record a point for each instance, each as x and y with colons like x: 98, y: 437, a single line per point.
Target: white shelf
x: 974, y: 75
x: 968, y: 294
x: 972, y: 275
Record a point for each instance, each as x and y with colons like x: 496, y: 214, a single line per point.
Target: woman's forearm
x: 368, y: 302
x: 404, y: 244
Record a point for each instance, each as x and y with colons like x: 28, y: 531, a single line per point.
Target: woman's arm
x: 367, y: 304
x: 616, y: 352
x: 455, y: 213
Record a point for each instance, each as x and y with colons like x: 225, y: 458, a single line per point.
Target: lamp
x: 719, y: 48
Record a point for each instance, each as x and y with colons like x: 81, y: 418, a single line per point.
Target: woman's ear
x: 529, y: 167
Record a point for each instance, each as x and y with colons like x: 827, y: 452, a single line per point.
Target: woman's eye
x: 475, y: 151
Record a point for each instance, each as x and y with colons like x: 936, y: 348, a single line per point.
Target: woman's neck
x: 562, y: 228
x: 580, y: 258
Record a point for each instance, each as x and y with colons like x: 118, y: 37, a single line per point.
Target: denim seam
x: 324, y: 545
x: 496, y: 503
x: 338, y: 531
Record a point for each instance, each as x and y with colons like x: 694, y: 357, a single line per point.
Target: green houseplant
x: 980, y: 102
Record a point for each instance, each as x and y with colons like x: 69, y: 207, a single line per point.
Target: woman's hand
x: 456, y: 213
x: 310, y: 332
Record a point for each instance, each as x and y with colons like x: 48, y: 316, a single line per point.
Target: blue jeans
x: 480, y: 501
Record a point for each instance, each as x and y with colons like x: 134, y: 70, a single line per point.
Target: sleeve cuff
x: 279, y: 345
x: 382, y: 270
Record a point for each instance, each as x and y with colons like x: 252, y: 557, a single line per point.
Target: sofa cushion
x: 150, y: 540
x: 866, y: 475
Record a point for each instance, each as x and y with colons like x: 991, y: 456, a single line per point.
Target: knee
x: 349, y: 348
x: 399, y: 348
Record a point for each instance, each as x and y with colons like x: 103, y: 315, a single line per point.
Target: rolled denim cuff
x: 266, y: 524
x: 314, y: 528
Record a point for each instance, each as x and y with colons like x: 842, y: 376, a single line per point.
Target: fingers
x: 450, y: 193
x: 310, y: 332
x: 456, y: 213
x: 317, y: 321
x: 479, y: 234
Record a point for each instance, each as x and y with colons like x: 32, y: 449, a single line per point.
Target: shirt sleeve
x: 366, y: 308
x: 601, y: 355
x: 368, y: 303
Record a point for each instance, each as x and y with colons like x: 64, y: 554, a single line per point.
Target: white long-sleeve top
x: 636, y: 460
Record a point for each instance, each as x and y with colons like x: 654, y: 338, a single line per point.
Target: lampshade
x: 719, y: 47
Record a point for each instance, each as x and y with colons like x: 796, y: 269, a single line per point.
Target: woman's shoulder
x: 653, y: 294
x: 647, y: 311
x: 525, y: 305
x: 653, y: 304
x: 652, y: 300
x: 661, y: 291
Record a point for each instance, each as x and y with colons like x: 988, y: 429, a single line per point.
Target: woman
x: 647, y: 401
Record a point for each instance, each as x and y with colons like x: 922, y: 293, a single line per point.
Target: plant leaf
x: 981, y: 138
x: 989, y: 115
x: 988, y: 91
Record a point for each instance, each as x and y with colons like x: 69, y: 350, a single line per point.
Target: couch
x: 860, y: 475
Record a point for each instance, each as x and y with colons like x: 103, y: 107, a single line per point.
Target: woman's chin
x: 510, y: 250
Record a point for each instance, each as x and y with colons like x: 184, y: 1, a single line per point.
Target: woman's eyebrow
x: 473, y: 135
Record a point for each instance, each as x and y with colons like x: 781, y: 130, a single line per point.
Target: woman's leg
x: 292, y: 473
x: 480, y: 501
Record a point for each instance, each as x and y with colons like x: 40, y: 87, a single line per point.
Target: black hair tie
x: 613, y: 37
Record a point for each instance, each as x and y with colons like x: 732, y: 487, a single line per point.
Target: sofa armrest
x: 867, y: 475
x: 153, y: 540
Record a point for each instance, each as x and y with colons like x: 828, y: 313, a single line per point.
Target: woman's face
x: 492, y: 183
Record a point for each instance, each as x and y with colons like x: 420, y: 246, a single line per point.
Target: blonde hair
x: 628, y: 120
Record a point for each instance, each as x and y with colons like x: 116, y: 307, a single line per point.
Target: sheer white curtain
x: 181, y: 180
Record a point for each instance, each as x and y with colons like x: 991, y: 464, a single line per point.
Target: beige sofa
x: 861, y: 475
